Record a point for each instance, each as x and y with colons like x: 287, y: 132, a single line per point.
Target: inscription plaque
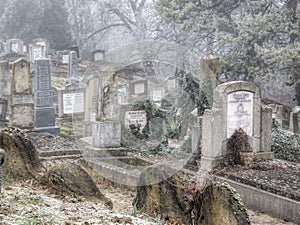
x: 240, y: 112
x: 137, y: 118
x: 73, y: 103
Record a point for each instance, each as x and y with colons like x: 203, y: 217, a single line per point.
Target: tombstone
x: 137, y: 118
x: 171, y: 84
x: 138, y: 90
x: 236, y: 105
x: 22, y: 105
x: 73, y: 70
x: 72, y: 102
x: 295, y: 120
x: 43, y: 42
x: 3, y: 109
x: 5, y: 79
x: 15, y: 46
x: 44, y: 113
x: 75, y: 49
x: 122, y: 94
x: 36, y: 51
x: 106, y: 134
x: 156, y: 95
x: 277, y: 113
x: 98, y: 55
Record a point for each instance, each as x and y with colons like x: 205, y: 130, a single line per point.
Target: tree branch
x: 102, y: 29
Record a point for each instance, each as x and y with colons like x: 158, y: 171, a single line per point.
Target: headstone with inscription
x: 137, y: 118
x: 236, y: 105
x: 44, y: 113
x: 22, y: 105
x: 73, y: 102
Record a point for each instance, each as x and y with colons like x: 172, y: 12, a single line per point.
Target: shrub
x: 285, y: 144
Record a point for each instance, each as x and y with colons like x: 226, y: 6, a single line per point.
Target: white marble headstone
x: 240, y: 112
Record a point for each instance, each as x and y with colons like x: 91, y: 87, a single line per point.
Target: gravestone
x: 98, y: 55
x: 73, y: 102
x: 75, y: 49
x: 3, y: 109
x: 295, y: 120
x: 106, y: 134
x: 235, y: 105
x: 22, y: 105
x: 44, y: 114
x: 171, y: 84
x: 73, y: 71
x: 5, y: 79
x: 277, y: 113
x: 122, y: 94
x: 15, y: 46
x: 138, y: 90
x: 137, y: 118
x: 156, y: 95
x: 36, y: 51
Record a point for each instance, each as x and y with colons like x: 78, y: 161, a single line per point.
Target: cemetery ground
x: 27, y: 202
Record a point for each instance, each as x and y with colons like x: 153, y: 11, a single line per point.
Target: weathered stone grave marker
x: 156, y: 95
x: 22, y: 105
x: 295, y: 120
x: 3, y: 109
x: 235, y: 105
x: 106, y: 134
x: 15, y: 45
x: 138, y: 89
x: 73, y: 69
x: 98, y: 55
x: 44, y: 113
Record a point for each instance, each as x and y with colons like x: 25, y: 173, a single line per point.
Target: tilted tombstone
x: 22, y: 105
x: 236, y: 105
x: 44, y: 113
x: 295, y: 120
